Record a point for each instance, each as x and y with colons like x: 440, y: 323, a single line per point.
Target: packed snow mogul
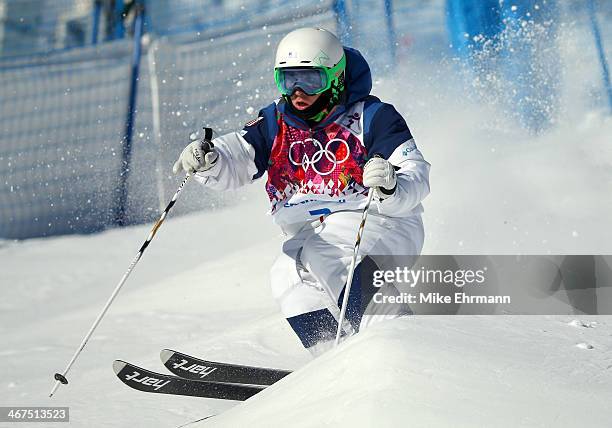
x: 323, y: 144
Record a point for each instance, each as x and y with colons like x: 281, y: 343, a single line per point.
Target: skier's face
x: 302, y: 100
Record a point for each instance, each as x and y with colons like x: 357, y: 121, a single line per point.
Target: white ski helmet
x: 309, y: 47
x: 311, y: 59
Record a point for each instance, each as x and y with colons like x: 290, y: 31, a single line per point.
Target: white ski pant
x: 309, y: 276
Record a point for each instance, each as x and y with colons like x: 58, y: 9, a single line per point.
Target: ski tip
x: 166, y: 354
x: 118, y: 365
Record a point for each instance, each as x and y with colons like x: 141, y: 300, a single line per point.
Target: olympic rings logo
x: 308, y: 161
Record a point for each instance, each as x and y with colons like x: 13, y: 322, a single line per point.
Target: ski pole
x: 349, y: 279
x: 60, y: 378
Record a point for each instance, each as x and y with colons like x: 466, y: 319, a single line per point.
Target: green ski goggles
x: 311, y: 80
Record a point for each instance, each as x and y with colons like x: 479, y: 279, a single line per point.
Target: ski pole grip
x: 207, y: 144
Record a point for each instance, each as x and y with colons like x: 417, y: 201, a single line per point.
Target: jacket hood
x: 357, y: 75
x: 358, y: 81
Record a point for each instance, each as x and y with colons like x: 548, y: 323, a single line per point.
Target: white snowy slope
x: 200, y: 288
x: 513, y: 371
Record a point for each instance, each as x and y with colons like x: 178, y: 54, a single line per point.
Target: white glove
x: 379, y: 173
x: 196, y: 157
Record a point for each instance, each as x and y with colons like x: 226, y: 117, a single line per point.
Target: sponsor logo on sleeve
x: 408, y: 146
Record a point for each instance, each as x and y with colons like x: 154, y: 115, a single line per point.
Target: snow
x: 445, y: 371
x: 202, y: 288
x: 197, y: 287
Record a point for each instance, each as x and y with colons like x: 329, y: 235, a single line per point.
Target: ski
x: 158, y: 383
x: 189, y: 367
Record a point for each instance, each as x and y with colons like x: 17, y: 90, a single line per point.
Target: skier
x: 324, y: 143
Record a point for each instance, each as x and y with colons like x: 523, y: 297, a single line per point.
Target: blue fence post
x: 97, y: 10
x: 600, y: 51
x: 390, y: 30
x: 466, y: 19
x: 119, y: 32
x: 342, y: 20
x: 121, y: 209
